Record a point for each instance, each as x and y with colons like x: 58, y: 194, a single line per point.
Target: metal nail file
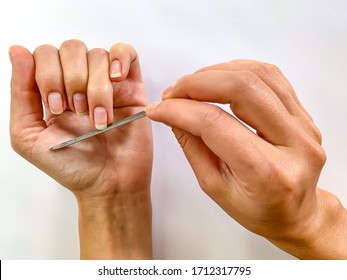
x: 96, y: 132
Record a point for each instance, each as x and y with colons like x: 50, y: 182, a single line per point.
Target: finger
x: 73, y: 56
x: 124, y: 63
x: 49, y: 78
x: 100, y: 91
x: 270, y: 75
x: 273, y: 77
x: 125, y: 72
x: 207, y: 167
x: 250, y: 99
x: 225, y: 136
x: 26, y: 106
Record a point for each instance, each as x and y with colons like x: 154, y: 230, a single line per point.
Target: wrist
x: 321, y: 234
x: 116, y: 226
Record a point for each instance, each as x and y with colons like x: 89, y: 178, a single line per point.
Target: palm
x: 120, y: 158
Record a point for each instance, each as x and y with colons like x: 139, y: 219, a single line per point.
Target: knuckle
x: 311, y: 148
x: 100, y: 89
x: 268, y: 67
x: 122, y: 47
x: 209, y: 185
x: 44, y: 48
x: 209, y: 117
x: 185, y: 83
x: 182, y: 138
x: 203, y: 69
x: 291, y: 181
x: 316, y: 155
x: 73, y: 44
x: 317, y: 135
x: 247, y: 81
x: 263, y: 69
x: 216, y: 185
x: 98, y: 52
x: 47, y: 81
x: 75, y: 79
x: 208, y: 68
x: 238, y: 61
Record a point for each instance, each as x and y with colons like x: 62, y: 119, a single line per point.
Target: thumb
x: 206, y: 165
x: 26, y: 105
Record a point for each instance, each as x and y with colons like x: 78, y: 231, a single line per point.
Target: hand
x: 107, y: 173
x: 265, y: 180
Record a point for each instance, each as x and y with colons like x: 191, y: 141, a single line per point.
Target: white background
x: 306, y: 39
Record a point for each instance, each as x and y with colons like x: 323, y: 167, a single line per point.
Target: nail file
x: 96, y: 132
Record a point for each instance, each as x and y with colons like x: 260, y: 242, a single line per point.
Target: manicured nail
x: 80, y: 103
x: 55, y: 102
x: 100, y: 118
x: 115, y: 69
x: 151, y: 106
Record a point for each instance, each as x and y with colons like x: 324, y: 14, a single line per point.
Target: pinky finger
x: 124, y: 63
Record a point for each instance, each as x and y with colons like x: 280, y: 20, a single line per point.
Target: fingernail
x: 10, y: 53
x: 115, y: 69
x: 167, y: 90
x: 151, y: 106
x: 100, y: 118
x: 55, y: 102
x: 80, y: 103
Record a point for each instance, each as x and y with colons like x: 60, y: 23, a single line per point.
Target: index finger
x: 251, y: 100
x: 270, y: 75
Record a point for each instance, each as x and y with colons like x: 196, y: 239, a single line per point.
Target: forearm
x: 325, y: 237
x: 117, y: 227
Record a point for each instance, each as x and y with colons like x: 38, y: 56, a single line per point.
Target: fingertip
x: 151, y: 106
x: 159, y: 112
x: 129, y: 62
x: 150, y: 109
x: 10, y: 53
x: 13, y: 48
x: 15, y: 51
x: 166, y: 92
x: 121, y: 56
x: 23, y: 69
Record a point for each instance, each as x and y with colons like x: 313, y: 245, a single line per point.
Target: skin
x: 108, y: 174
x: 266, y: 181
